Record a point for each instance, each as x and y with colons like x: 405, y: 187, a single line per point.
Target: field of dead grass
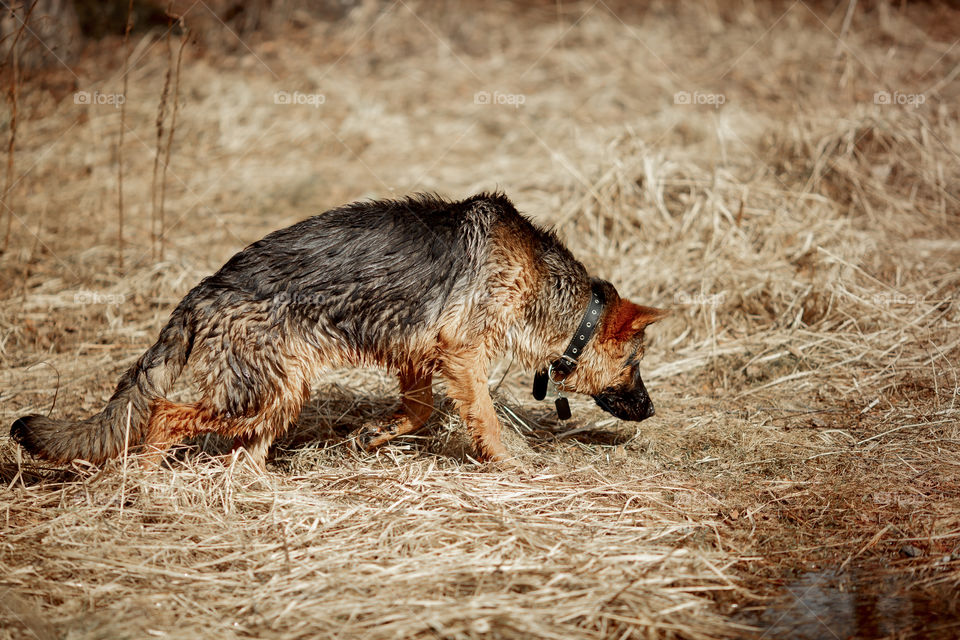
x: 783, y: 176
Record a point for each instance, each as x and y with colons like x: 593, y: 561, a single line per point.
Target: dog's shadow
x: 30, y: 473
x: 336, y: 414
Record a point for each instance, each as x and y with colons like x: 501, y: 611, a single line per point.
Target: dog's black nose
x: 634, y: 406
x: 646, y: 412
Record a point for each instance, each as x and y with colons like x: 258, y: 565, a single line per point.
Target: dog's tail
x: 103, y: 436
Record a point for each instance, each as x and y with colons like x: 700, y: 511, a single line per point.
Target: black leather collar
x: 565, y: 364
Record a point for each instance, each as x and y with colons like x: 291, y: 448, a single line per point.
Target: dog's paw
x: 373, y: 434
x: 504, y: 462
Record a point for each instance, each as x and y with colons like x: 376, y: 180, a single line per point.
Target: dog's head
x: 609, y: 369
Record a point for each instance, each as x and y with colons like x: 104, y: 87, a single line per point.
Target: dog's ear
x: 628, y: 319
x: 649, y: 315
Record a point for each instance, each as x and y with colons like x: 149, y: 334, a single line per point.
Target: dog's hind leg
x: 256, y: 433
x: 416, y: 391
x: 171, y: 423
x: 256, y: 446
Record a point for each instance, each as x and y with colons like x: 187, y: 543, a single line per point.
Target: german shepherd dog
x: 418, y: 286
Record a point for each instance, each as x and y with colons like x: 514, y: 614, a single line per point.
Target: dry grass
x: 329, y: 546
x: 806, y: 385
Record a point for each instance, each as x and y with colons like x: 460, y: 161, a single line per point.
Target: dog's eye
x: 635, y: 355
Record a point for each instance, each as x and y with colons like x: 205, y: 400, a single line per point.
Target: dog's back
x: 366, y: 274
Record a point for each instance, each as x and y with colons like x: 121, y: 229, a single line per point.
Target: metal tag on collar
x: 563, y: 407
x: 561, y: 403
x: 540, y: 385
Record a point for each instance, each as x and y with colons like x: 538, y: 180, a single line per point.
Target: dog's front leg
x: 466, y: 375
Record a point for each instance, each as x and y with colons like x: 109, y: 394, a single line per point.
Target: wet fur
x: 419, y: 286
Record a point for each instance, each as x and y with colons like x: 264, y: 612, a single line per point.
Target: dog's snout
x: 632, y: 403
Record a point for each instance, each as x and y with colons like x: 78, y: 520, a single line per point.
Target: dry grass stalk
x: 173, y: 130
x: 123, y: 126
x: 13, y: 98
x: 161, y: 118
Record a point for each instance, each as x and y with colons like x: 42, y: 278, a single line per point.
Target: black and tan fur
x: 419, y: 286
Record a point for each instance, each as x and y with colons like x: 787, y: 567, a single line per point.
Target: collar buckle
x: 561, y: 368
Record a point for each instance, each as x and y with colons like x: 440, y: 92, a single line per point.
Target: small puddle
x: 841, y: 606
